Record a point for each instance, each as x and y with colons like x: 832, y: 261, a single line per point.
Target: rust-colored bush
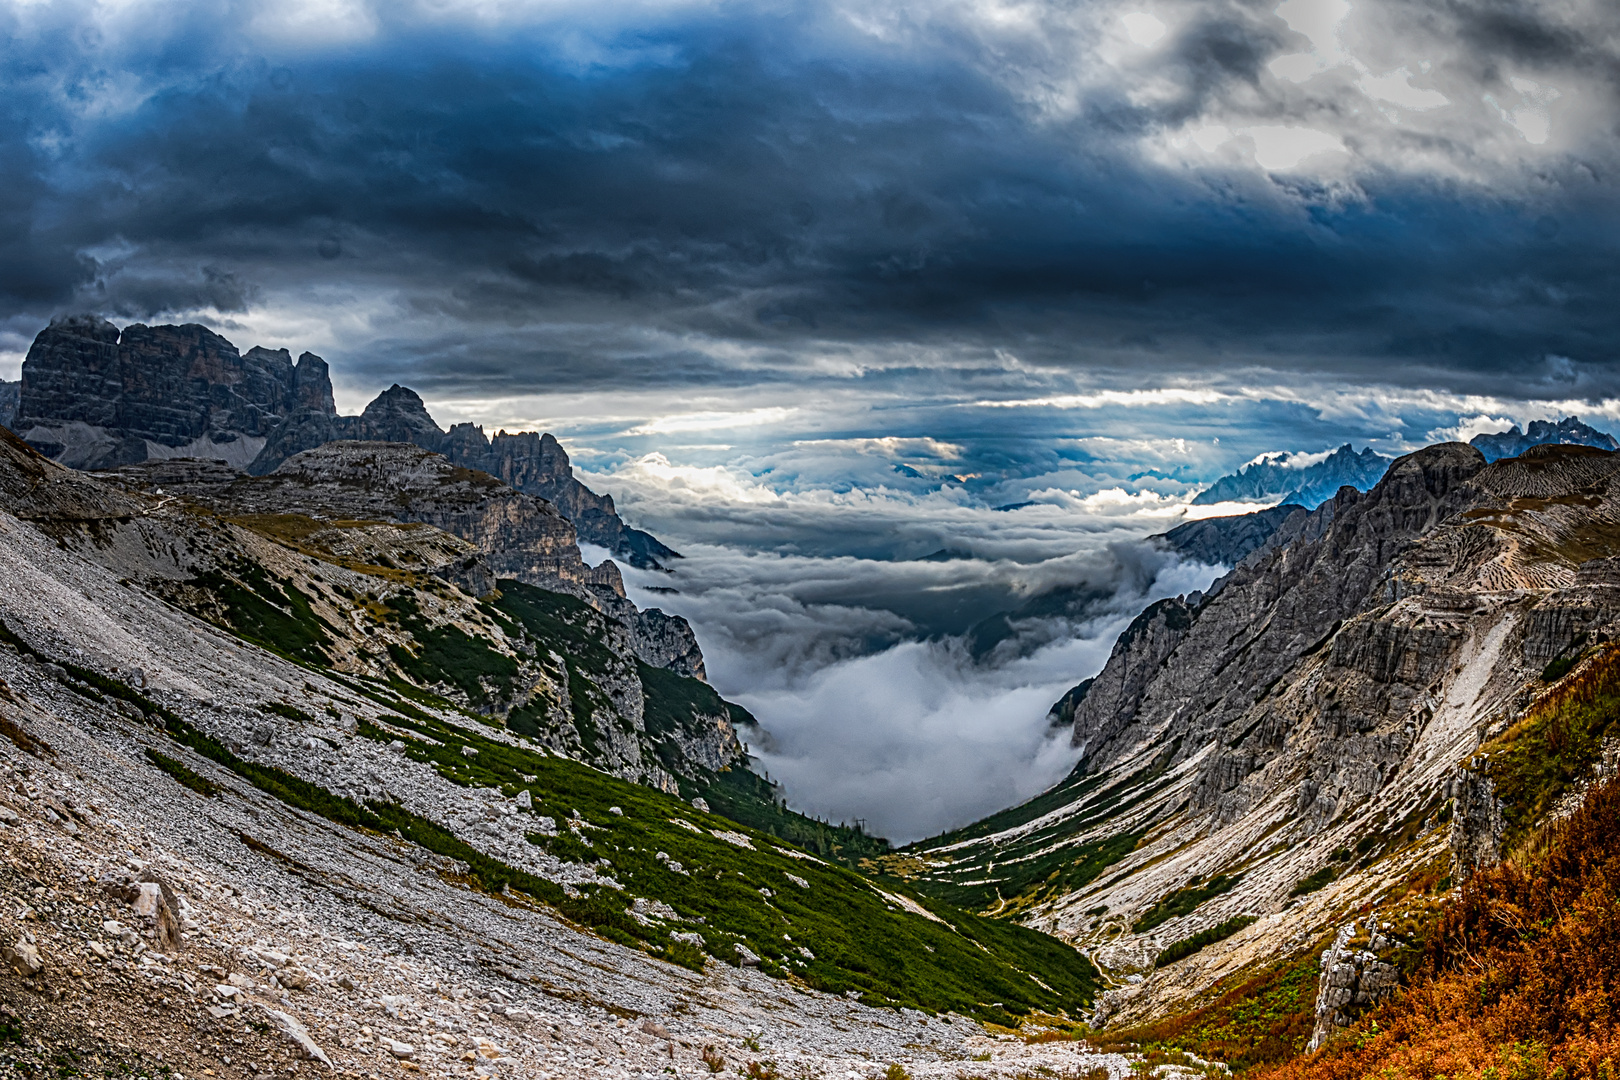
x: 1522, y: 976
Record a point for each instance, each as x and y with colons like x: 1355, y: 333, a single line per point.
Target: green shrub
x: 1319, y: 880
x: 1182, y: 902
x: 182, y: 775
x: 1189, y: 945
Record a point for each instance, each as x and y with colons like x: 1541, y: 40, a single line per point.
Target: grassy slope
x: 857, y: 939
x: 860, y: 940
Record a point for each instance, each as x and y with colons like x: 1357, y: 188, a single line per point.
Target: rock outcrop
x: 1227, y: 541
x: 1354, y: 978
x: 95, y: 397
x: 511, y: 534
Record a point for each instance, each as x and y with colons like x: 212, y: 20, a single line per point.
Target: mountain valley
x: 325, y: 748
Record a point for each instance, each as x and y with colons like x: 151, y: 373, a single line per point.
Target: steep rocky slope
x: 327, y: 584
x: 511, y: 534
x: 94, y: 396
x: 231, y: 848
x: 1263, y: 762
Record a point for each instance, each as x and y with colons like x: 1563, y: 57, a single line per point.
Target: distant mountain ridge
x: 93, y: 396
x: 1273, y: 478
x: 1568, y: 432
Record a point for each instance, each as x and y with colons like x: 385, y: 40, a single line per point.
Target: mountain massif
x: 1281, y: 778
x: 94, y: 396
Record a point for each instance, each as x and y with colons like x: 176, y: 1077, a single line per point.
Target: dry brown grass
x: 1522, y: 978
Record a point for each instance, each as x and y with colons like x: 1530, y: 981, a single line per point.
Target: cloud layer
x: 492, y: 197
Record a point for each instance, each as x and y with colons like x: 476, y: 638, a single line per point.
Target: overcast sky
x: 813, y: 287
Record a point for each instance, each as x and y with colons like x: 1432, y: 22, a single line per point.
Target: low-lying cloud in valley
x: 882, y: 693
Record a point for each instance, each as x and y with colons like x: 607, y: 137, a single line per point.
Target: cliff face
x: 95, y: 397
x: 92, y: 395
x: 510, y: 534
x: 10, y: 401
x: 382, y: 561
x: 1317, y: 732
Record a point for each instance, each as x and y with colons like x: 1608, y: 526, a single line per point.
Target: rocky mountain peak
x: 312, y: 385
x: 95, y: 397
x: 1569, y: 431
x: 399, y: 415
x: 1284, y: 478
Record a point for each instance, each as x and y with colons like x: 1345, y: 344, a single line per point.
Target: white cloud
x: 1142, y: 28
x: 1279, y: 147
x: 1397, y: 89
x: 712, y: 421
x: 1102, y: 399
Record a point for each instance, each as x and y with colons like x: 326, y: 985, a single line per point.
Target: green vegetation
x: 1319, y: 880
x: 1254, y: 1018
x: 291, y: 712
x: 1559, y: 668
x: 749, y: 798
x: 1189, y: 945
x: 738, y: 884
x: 448, y: 655
x: 268, y: 611
x: 1183, y: 901
x: 182, y: 774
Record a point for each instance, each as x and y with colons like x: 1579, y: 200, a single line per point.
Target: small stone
x: 525, y: 800
x: 148, y: 899
x: 616, y: 811
x: 402, y: 1050
x: 747, y: 955
x: 23, y: 958
x: 700, y: 804
x: 298, y: 1036
x: 8, y: 816
x: 236, y: 978
x: 295, y: 978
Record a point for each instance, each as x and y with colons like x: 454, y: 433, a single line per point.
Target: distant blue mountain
x: 1279, y: 478
x: 1513, y: 442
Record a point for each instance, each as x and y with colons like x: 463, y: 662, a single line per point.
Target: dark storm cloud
x: 768, y: 177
